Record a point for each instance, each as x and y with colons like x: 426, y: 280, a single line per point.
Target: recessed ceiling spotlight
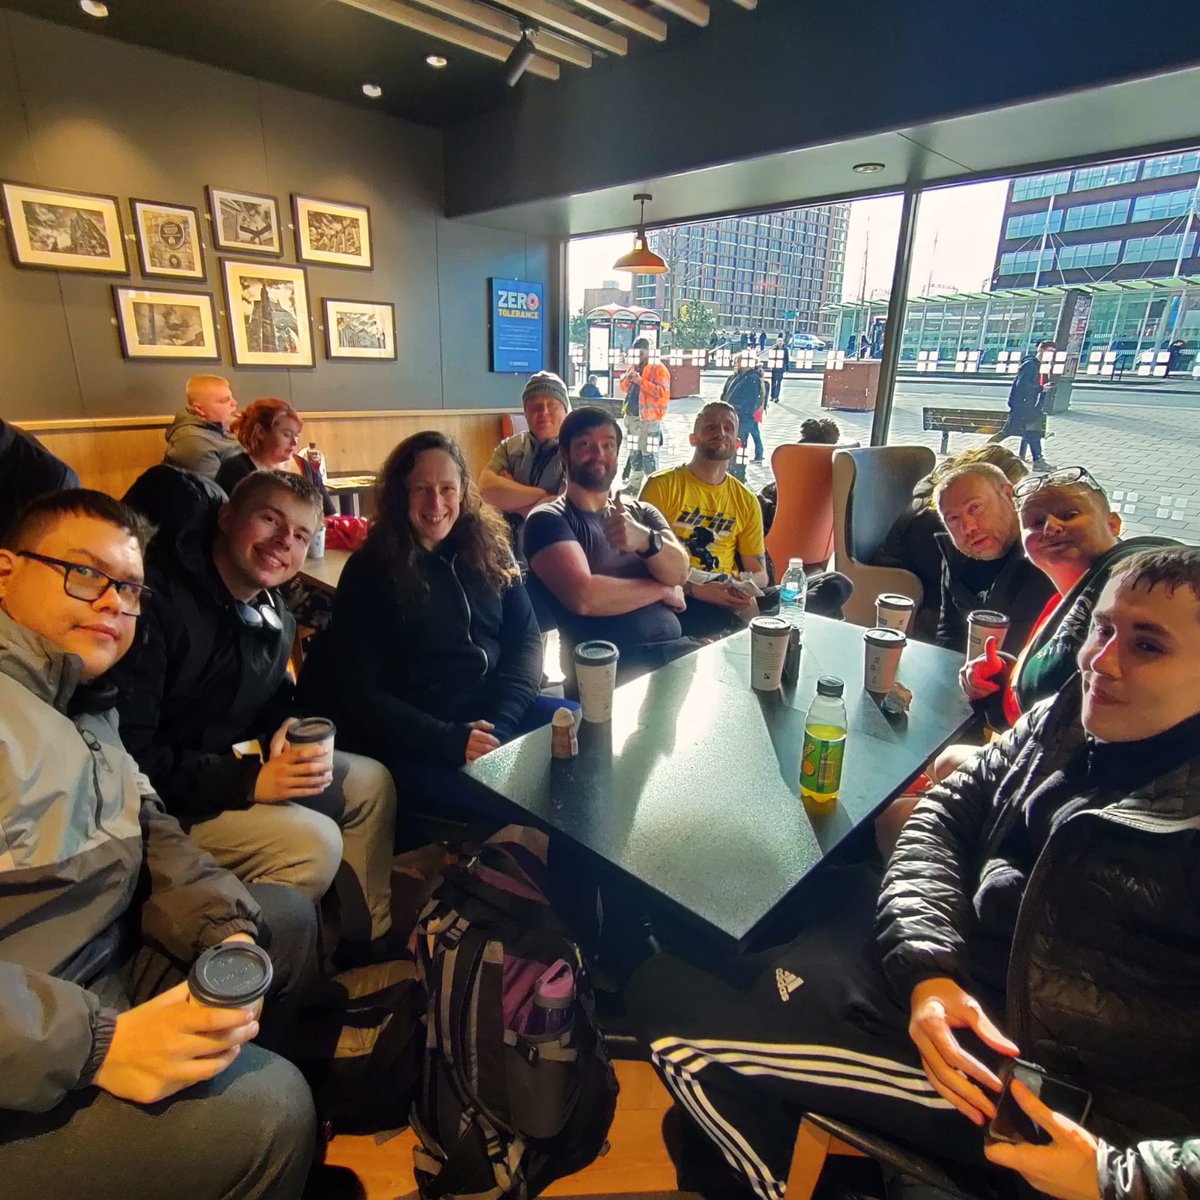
x: 436, y: 61
x: 373, y: 90
x: 94, y: 8
x: 869, y: 168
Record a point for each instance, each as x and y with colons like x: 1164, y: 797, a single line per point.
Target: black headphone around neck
x: 262, y: 617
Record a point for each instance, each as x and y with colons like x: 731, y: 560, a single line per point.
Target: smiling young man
x: 1040, y: 902
x: 210, y: 673
x: 105, y: 903
x: 983, y: 566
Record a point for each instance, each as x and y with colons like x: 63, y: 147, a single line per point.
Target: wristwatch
x: 654, y: 547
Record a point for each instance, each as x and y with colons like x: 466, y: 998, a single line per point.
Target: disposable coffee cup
x: 982, y: 624
x: 768, y: 652
x: 883, y: 648
x: 313, y: 731
x: 893, y: 611
x: 316, y: 548
x: 596, y: 674
x: 231, y: 975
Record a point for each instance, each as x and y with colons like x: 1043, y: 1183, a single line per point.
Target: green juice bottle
x: 824, y: 745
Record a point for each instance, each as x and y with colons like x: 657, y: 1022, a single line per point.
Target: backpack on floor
x: 359, y: 1042
x: 516, y: 1088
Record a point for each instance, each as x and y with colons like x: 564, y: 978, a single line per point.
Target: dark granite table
x: 692, y: 790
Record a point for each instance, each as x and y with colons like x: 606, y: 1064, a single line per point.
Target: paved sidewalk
x: 1146, y: 455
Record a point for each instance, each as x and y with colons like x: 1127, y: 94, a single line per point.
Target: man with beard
x: 984, y: 566
x: 718, y: 520
x: 612, y: 570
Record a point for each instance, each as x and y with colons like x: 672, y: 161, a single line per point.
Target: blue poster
x: 516, y: 319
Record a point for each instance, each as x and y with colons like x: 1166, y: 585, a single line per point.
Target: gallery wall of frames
x: 164, y: 218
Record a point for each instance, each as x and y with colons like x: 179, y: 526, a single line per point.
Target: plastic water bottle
x: 793, y: 593
x: 824, y: 745
x: 316, y: 460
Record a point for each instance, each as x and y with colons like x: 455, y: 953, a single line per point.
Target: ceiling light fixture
x: 373, y: 90
x: 641, y: 260
x: 436, y: 61
x: 94, y: 8
x: 868, y: 168
x: 522, y: 55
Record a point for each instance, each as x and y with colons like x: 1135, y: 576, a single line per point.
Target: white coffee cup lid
x: 771, y: 626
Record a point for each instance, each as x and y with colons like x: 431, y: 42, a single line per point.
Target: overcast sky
x: 955, y: 246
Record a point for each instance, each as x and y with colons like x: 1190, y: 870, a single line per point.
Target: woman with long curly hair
x: 433, y: 657
x: 269, y: 432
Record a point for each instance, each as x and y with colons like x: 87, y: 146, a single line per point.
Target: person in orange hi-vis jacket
x: 646, y: 385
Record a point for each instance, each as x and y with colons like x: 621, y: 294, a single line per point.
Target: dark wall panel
x: 95, y: 115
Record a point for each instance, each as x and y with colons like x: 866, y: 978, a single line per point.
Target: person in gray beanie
x: 525, y: 469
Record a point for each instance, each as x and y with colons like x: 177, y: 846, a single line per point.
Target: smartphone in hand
x: 1012, y: 1124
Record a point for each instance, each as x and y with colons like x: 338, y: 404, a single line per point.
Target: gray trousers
x: 343, y: 836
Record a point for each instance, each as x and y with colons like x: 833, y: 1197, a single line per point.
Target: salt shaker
x: 563, y: 741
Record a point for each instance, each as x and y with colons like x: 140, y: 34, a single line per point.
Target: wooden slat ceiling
x: 564, y: 32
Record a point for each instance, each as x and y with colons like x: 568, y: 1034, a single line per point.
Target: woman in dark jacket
x: 433, y: 657
x: 1043, y: 901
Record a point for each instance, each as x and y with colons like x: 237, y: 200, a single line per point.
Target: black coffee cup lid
x: 310, y: 730
x: 595, y: 654
x: 231, y: 975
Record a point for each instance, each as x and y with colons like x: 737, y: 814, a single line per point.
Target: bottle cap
x: 562, y: 718
x: 830, y: 685
x: 231, y: 975
x: 795, y: 562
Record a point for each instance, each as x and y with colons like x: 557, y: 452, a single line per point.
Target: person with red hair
x: 269, y: 432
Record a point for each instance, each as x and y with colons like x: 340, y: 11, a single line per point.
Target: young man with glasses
x: 104, y: 905
x: 210, y: 674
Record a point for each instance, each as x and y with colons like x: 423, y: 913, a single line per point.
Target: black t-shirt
x: 561, y: 521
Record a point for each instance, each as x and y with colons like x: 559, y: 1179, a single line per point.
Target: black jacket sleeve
x: 951, y: 629
x: 191, y: 783
x: 518, y: 674
x: 349, y: 661
x: 925, y: 903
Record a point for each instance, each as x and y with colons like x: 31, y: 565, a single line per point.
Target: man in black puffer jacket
x: 1048, y: 888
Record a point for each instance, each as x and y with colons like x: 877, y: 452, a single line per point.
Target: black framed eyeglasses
x: 83, y: 582
x: 1062, y: 478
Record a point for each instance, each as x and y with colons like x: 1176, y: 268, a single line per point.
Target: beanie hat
x: 546, y: 383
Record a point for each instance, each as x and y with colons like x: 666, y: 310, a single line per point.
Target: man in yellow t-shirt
x: 717, y: 519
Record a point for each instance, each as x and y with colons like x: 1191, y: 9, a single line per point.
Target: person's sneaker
x: 1040, y: 464
x: 699, y: 1166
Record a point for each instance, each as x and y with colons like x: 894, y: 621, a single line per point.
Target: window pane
x: 1105, y: 175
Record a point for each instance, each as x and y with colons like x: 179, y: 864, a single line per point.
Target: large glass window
x: 1105, y: 175
x: 1171, y: 164
x: 1025, y: 262
x: 1154, y: 249
x: 1033, y: 224
x: 1096, y: 216
x: 1089, y: 254
x: 1160, y: 205
x: 1035, y: 187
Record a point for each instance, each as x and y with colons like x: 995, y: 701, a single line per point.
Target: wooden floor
x: 636, y: 1161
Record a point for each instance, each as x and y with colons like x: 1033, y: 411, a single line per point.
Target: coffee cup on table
x: 882, y: 648
x: 313, y: 731
x: 893, y: 610
x: 982, y: 624
x: 596, y: 675
x: 231, y: 975
x: 768, y: 652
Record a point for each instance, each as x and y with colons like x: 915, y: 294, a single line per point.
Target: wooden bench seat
x: 962, y: 420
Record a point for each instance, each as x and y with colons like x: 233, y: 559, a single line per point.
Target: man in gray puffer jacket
x: 1042, y: 901
x: 104, y: 904
x: 198, y: 439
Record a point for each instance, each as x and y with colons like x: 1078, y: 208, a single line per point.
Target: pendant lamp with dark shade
x: 641, y: 260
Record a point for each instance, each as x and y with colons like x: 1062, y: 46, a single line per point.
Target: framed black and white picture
x: 335, y: 234
x: 168, y: 240
x: 63, y: 231
x: 360, y: 329
x: 267, y: 305
x: 245, y: 221
x: 166, y: 325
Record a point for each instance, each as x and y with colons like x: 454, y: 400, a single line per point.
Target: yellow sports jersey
x: 713, y: 523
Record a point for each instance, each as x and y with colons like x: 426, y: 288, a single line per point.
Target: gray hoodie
x: 198, y: 445
x: 80, y: 833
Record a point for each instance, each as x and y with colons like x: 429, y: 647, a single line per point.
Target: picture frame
x: 267, y: 308
x: 245, y: 222
x: 166, y: 325
x: 168, y: 240
x: 332, y: 233
x: 364, y: 330
x: 59, y: 230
